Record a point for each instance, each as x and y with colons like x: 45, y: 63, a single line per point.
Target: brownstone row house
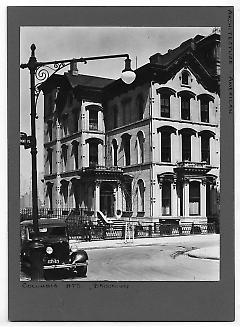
x: 149, y: 149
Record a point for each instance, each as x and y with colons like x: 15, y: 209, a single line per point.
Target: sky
x: 58, y: 43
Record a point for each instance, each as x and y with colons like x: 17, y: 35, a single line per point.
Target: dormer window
x: 185, y: 78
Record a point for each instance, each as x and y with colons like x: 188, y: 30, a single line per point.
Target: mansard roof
x: 161, y: 68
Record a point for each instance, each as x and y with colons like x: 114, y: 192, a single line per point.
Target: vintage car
x: 57, y: 252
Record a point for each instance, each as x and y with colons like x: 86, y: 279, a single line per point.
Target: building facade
x: 149, y: 150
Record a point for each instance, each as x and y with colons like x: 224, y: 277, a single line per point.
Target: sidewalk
x: 211, y: 252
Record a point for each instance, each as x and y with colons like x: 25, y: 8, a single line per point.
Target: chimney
x: 73, y: 68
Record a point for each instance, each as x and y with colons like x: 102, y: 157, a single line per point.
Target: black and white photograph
x: 120, y: 157
x: 120, y: 153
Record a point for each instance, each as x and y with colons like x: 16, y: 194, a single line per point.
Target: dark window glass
x: 185, y: 108
x: 205, y: 149
x: 49, y: 154
x: 185, y: 77
x: 165, y: 105
x: 115, y: 159
x: 64, y: 155
x: 75, y: 153
x: 166, y: 147
x: 93, y: 119
x: 128, y: 197
x: 93, y: 154
x: 50, y: 123
x: 205, y: 111
x: 140, y: 197
x: 186, y: 147
x: 127, y: 150
x: 194, y: 198
x: 166, y: 199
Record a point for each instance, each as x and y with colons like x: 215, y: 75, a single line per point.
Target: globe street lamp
x: 40, y: 70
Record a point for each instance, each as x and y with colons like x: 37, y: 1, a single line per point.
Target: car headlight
x: 49, y: 250
x: 74, y: 248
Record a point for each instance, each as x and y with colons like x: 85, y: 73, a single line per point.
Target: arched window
x: 49, y: 159
x: 186, y: 143
x: 194, y: 198
x: 140, y: 147
x: 64, y: 156
x: 166, y: 150
x: 114, y: 152
x: 93, y: 151
x: 205, y: 145
x: 49, y: 129
x: 186, y: 147
x: 75, y: 153
x: 49, y: 194
x: 93, y: 154
x: 165, y: 105
x: 93, y: 119
x: 166, y: 198
x: 140, y: 106
x: 204, y: 106
x: 126, y: 147
x: 185, y: 104
x: 165, y: 94
x: 64, y: 190
x: 166, y: 146
x: 140, y: 196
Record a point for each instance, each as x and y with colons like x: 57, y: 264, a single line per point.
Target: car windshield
x: 47, y: 231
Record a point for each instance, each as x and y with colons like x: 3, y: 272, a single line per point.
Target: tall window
x: 166, y: 198
x: 128, y: 196
x: 205, y: 148
x: 93, y: 154
x: 166, y: 147
x: 64, y: 156
x: 204, y: 110
x: 186, y: 147
x: 194, y: 198
x: 49, y: 158
x: 165, y: 105
x: 114, y: 152
x: 49, y: 126
x: 126, y: 146
x: 185, y: 107
x: 93, y: 119
x: 75, y: 153
x: 140, y: 196
x: 140, y: 147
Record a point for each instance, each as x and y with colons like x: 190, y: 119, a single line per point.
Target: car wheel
x: 82, y: 271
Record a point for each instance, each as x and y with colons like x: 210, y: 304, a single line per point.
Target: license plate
x: 53, y: 261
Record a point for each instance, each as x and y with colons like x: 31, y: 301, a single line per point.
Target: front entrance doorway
x: 107, y: 199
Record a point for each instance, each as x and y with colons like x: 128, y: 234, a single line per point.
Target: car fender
x: 79, y: 256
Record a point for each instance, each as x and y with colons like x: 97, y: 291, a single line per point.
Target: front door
x: 107, y: 199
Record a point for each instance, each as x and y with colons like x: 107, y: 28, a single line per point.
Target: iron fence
x: 80, y: 226
x: 97, y: 232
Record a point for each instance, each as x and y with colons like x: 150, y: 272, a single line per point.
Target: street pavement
x: 212, y: 252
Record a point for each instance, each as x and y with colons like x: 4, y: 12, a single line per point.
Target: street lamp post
x: 34, y: 67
